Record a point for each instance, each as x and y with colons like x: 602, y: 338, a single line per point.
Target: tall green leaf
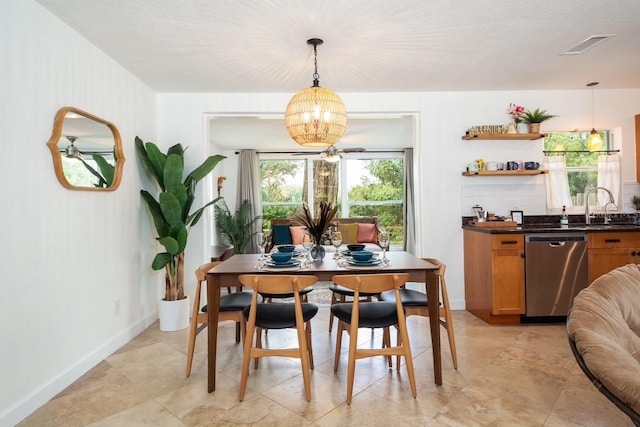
x: 170, y: 207
x: 157, y: 160
x: 172, y: 173
x: 162, y: 227
x: 106, y: 168
x: 204, y: 169
x: 161, y: 260
x: 144, y: 159
x: 170, y: 244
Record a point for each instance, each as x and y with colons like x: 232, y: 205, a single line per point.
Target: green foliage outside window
x: 582, y: 166
x: 379, y: 191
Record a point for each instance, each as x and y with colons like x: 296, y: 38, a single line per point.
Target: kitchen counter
x: 555, y: 228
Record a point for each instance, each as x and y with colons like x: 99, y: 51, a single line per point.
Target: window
x: 582, y: 165
x: 366, y: 185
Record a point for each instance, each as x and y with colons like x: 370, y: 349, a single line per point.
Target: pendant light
x: 315, y: 116
x: 594, y: 143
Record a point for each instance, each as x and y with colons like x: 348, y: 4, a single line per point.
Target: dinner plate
x: 372, y: 261
x: 288, y: 264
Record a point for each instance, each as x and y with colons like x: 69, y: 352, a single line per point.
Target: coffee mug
x: 473, y: 167
x: 491, y: 166
x: 512, y: 166
x: 531, y: 165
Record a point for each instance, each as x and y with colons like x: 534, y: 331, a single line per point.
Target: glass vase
x: 317, y: 252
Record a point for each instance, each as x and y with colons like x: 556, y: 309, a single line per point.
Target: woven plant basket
x: 534, y: 127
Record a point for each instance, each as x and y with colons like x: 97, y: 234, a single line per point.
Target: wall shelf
x: 505, y: 136
x: 504, y: 173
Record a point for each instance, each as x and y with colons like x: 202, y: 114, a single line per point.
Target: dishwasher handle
x: 556, y: 244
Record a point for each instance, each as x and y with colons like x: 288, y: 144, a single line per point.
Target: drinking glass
x: 261, y: 239
x: 336, y: 241
x: 383, y: 241
x: 307, y: 244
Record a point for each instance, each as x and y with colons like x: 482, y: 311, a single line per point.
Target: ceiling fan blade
x: 352, y: 150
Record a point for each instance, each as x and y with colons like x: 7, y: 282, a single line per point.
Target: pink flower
x: 515, y: 111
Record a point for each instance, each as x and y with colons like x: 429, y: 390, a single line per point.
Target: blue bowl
x: 355, y: 247
x: 286, y: 248
x: 362, y: 255
x: 281, y: 256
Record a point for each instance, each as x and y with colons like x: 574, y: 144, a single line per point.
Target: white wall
x: 65, y: 256
x: 443, y: 194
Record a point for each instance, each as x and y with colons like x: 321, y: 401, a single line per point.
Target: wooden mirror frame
x: 57, y: 157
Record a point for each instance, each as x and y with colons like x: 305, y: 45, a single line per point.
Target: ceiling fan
x: 73, y: 151
x: 331, y: 154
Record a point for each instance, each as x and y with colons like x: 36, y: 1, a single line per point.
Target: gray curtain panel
x: 249, y: 189
x: 409, y: 214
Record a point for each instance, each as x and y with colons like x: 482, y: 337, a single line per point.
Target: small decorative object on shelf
x: 534, y: 118
x: 486, y: 130
x: 505, y: 136
x: 515, y: 111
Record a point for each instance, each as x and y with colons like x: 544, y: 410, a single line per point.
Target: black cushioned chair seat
x: 409, y: 297
x: 281, y: 315
x: 234, y: 302
x: 378, y: 314
x: 289, y: 295
x: 348, y: 292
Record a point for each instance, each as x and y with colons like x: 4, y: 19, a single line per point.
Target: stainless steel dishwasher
x: 555, y: 271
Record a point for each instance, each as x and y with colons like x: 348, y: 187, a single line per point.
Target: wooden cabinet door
x: 608, y: 251
x: 508, y: 275
x: 602, y: 261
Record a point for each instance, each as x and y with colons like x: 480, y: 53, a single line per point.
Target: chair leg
x: 336, y: 360
x: 258, y: 345
x: 246, y: 358
x: 351, y: 370
x: 305, y: 357
x: 238, y: 331
x: 307, y: 333
x: 192, y: 344
x: 406, y: 346
x: 386, y: 343
x: 193, y: 331
x: 449, y: 321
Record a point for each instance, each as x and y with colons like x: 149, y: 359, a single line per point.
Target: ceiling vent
x: 590, y: 42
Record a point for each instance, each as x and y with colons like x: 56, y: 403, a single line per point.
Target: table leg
x: 433, y: 291
x: 213, y: 306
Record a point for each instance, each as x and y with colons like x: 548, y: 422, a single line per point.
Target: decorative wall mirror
x: 87, y: 151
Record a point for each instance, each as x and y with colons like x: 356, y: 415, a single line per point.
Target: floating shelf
x: 506, y: 136
x: 504, y: 173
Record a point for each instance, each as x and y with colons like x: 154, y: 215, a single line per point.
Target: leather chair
x: 415, y: 303
x: 375, y: 314
x: 296, y: 315
x: 231, y: 307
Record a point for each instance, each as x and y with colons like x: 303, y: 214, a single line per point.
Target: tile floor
x: 521, y: 375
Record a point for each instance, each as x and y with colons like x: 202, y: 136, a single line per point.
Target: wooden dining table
x: 227, y: 272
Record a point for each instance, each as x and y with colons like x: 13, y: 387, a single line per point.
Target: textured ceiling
x: 370, y: 46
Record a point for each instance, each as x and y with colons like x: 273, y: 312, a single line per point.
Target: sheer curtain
x: 409, y: 215
x: 249, y: 189
x: 609, y: 178
x: 557, y: 182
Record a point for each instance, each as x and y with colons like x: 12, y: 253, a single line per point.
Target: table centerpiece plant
x: 238, y: 227
x: 171, y: 210
x: 316, y: 227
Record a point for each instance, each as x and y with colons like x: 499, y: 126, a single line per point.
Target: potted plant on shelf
x: 172, y: 217
x: 237, y: 227
x: 316, y: 227
x: 534, y: 118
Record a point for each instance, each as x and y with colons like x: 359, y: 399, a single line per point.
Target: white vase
x: 174, y: 315
x: 523, y: 128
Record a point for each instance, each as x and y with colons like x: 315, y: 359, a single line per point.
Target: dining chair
x: 415, y: 303
x: 280, y: 315
x: 375, y: 314
x: 339, y: 294
x: 231, y: 307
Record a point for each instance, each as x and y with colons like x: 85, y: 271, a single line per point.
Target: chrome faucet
x: 587, y: 214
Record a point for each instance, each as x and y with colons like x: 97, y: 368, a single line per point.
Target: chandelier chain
x: 316, y: 76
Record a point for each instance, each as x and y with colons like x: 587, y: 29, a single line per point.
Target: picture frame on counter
x: 517, y: 217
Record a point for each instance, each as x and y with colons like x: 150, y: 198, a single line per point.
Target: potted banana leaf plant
x: 172, y: 218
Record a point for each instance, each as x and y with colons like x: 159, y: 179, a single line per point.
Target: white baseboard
x: 28, y: 404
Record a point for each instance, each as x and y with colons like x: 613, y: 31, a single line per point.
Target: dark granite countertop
x: 551, y: 224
